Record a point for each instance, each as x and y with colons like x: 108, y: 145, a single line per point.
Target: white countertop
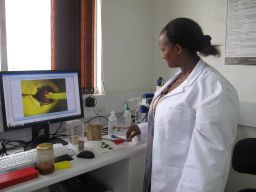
x: 79, y: 166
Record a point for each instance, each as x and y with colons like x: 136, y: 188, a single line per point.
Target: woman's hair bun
x: 206, y: 48
x: 204, y: 41
x: 207, y: 38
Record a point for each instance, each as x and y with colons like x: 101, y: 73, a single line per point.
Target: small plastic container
x: 75, y: 131
x: 45, y: 158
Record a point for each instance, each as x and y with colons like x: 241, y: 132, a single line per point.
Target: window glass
x: 28, y: 34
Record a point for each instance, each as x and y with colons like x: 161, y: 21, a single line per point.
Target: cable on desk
x: 9, y: 144
x: 98, y: 116
x: 3, y: 149
x: 58, y: 131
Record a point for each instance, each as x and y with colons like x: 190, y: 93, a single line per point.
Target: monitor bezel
x: 38, y: 123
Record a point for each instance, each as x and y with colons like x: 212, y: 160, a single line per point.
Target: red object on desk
x: 118, y: 141
x: 17, y: 176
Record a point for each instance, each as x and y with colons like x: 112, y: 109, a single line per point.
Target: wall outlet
x: 100, y: 110
x: 90, y: 101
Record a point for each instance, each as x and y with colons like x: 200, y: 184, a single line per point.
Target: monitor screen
x: 31, y: 98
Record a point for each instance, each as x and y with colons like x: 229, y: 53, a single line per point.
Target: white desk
x: 79, y: 166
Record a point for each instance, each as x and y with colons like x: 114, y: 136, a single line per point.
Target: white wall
x: 211, y: 15
x: 131, y: 57
x: 127, y: 33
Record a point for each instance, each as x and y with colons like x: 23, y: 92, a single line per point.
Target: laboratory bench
x: 121, y: 169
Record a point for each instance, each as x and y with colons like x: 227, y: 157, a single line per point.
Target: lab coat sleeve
x: 208, y: 162
x: 144, y: 132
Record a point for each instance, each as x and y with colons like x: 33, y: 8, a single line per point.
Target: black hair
x: 188, y: 34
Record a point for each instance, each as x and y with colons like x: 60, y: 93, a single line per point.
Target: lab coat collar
x: 195, y: 73
x: 188, y: 82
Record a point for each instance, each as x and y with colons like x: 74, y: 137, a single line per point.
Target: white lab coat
x: 194, y: 131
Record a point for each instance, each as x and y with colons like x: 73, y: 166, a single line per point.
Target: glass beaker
x: 75, y: 131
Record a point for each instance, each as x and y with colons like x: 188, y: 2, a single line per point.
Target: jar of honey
x: 45, y: 158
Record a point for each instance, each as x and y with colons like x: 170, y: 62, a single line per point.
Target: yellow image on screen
x: 43, y: 96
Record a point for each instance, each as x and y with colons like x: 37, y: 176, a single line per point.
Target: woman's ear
x: 178, y: 49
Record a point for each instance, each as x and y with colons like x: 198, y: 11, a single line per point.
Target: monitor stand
x: 41, y: 134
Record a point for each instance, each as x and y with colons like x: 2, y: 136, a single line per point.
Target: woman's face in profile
x: 168, y: 51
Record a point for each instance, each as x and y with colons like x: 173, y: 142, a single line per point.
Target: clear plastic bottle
x: 127, y: 116
x: 112, y: 123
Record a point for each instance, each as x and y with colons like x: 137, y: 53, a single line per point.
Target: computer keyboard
x: 26, y: 158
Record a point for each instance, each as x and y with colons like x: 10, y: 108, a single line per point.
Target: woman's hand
x: 132, y: 131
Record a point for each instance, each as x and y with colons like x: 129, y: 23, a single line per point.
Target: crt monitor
x: 37, y: 98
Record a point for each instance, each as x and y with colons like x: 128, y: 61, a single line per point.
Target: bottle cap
x: 160, y: 81
x: 127, y: 106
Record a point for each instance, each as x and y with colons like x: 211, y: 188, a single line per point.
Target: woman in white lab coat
x: 192, y: 119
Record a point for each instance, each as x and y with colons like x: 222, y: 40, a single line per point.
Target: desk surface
x: 79, y: 166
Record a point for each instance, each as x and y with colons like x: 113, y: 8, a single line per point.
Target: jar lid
x: 44, y: 146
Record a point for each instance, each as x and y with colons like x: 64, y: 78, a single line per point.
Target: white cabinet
x: 125, y: 175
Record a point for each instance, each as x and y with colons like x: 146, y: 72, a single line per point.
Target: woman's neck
x: 189, y: 64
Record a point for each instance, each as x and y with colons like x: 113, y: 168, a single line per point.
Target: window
x: 49, y: 34
x: 28, y: 34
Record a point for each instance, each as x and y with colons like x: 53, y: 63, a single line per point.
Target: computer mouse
x: 86, y: 154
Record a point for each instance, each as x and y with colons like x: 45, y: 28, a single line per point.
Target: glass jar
x: 45, y: 158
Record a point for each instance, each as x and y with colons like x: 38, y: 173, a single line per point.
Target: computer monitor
x: 38, y: 98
